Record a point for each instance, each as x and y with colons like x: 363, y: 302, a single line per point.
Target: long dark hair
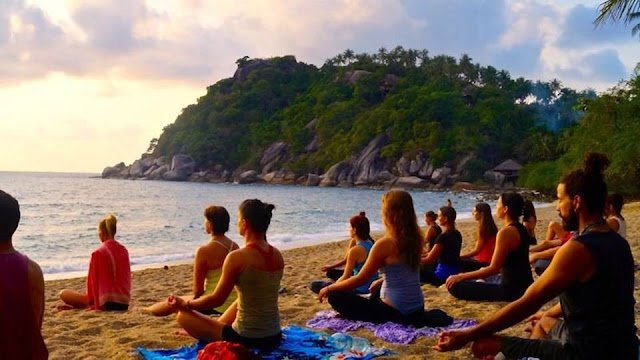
x: 401, y: 223
x: 514, y: 203
x: 589, y: 183
x: 487, y: 228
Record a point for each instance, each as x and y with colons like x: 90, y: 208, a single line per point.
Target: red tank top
x: 486, y: 252
x: 20, y: 336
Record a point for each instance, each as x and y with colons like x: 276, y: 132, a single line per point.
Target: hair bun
x: 595, y: 164
x: 362, y: 213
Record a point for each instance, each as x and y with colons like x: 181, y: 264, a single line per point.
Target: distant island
x: 394, y: 118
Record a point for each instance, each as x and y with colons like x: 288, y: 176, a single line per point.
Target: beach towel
x: 298, y: 343
x: 390, y: 332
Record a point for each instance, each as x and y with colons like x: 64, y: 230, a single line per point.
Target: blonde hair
x: 108, y: 225
x: 401, y: 223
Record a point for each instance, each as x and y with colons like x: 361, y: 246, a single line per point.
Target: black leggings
x: 335, y: 274
x: 469, y: 265
x: 481, y: 291
x: 428, y: 276
x: 355, y: 307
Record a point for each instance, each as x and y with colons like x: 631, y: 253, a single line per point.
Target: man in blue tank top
x: 592, y: 274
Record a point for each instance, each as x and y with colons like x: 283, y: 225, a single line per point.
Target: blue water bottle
x: 341, y: 341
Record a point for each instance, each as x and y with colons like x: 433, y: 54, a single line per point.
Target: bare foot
x: 182, y: 332
x: 63, y: 307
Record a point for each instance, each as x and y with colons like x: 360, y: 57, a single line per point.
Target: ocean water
x: 162, y: 222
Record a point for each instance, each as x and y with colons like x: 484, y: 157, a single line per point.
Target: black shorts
x: 265, y: 343
x: 114, y: 306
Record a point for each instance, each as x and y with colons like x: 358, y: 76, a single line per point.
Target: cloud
x: 198, y: 41
x: 521, y: 59
x: 110, y: 26
x: 579, y: 30
x: 603, y: 65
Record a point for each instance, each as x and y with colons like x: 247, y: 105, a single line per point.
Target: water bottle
x: 360, y: 345
x: 341, y: 341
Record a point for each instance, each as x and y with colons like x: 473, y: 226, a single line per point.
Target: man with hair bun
x: 21, y: 292
x: 592, y: 273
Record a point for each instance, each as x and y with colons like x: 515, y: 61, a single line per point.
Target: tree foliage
x: 449, y: 109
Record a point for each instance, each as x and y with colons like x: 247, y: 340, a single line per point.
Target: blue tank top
x: 401, y: 288
x: 364, y: 289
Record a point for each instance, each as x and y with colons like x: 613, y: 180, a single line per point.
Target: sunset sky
x: 86, y: 84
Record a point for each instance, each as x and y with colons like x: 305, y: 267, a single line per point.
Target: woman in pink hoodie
x: 109, y: 278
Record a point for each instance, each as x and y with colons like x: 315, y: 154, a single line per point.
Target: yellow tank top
x: 213, y: 276
x: 258, y: 314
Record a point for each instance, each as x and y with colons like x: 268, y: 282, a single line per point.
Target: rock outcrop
x: 274, y: 155
x: 369, y: 164
x: 338, y: 174
x: 182, y: 166
x: 113, y: 171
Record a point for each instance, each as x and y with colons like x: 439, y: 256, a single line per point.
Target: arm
x: 199, y: 273
x: 479, y: 244
x: 36, y: 290
x: 555, y: 230
x: 571, y: 264
x: 232, y: 268
x: 431, y: 233
x: 377, y: 256
x: 433, y: 255
x: 547, y: 244
x: 356, y: 254
x: 613, y: 224
x: 342, y: 262
x: 544, y: 255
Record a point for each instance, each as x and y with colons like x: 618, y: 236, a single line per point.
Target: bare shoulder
x: 508, y: 232
x: 34, y: 271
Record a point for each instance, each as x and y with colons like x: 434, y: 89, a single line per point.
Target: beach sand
x: 84, y: 334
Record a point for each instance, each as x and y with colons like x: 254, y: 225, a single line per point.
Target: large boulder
x: 494, y: 178
x: 282, y: 177
x: 273, y: 155
x: 314, y: 145
x: 140, y: 167
x: 411, y: 182
x: 182, y: 166
x: 352, y: 77
x: 113, y: 171
x: 244, y: 70
x: 416, y: 165
x: 247, y: 177
x: 369, y: 163
x: 440, y: 176
x: 313, y: 180
x: 338, y: 174
x: 158, y: 172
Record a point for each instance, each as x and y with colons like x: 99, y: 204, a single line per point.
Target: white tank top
x: 622, y: 228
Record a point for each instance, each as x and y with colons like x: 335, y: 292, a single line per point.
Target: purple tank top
x: 20, y: 336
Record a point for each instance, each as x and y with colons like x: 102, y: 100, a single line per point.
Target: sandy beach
x: 84, y: 334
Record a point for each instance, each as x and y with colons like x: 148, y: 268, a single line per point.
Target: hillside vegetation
x: 457, y: 113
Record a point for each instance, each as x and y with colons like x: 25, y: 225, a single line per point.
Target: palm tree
x: 614, y: 10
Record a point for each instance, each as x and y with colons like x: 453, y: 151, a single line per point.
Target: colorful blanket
x: 298, y: 343
x: 390, y: 332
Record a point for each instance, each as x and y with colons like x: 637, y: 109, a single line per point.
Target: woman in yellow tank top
x: 207, y: 266
x: 255, y: 271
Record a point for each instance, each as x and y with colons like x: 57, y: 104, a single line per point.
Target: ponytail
x: 108, y: 225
